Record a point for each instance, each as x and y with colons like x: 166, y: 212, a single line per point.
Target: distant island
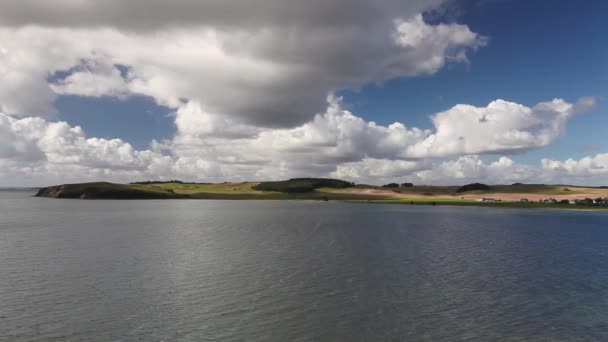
x: 476, y: 194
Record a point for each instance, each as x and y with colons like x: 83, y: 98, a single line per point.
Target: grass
x: 229, y: 191
x: 541, y: 189
x: 473, y: 203
x: 247, y: 188
x: 193, y: 188
x: 104, y: 190
x: 428, y: 190
x: 536, y: 189
x: 300, y: 185
x: 245, y: 191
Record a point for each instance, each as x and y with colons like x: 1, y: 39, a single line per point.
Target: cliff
x: 104, y: 190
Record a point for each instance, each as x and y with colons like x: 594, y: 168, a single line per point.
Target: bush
x: 295, y: 185
x: 159, y: 182
x: 473, y: 187
x: 391, y: 185
x: 407, y: 185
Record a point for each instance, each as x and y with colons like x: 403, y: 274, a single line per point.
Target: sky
x: 423, y: 91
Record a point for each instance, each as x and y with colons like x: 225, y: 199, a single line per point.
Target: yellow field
x: 192, y: 188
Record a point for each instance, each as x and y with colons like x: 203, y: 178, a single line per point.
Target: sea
x: 220, y: 270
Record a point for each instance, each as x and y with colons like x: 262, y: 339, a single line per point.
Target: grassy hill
x: 299, y: 185
x: 104, y: 190
x: 330, y: 189
x: 193, y: 188
x: 494, y: 189
x: 290, y: 189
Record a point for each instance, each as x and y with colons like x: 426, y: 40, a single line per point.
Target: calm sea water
x: 73, y: 270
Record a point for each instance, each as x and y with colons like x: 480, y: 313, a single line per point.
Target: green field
x: 192, y: 188
x: 473, y: 203
x: 104, y: 190
x: 515, y: 188
x: 343, y: 191
x: 536, y: 189
x: 179, y: 190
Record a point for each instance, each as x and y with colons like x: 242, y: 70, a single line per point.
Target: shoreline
x: 501, y: 196
x: 379, y: 201
x: 506, y: 205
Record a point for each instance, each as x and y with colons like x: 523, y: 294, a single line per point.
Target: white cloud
x: 431, y: 45
x: 141, y: 15
x: 337, y: 143
x: 193, y: 121
x: 28, y: 56
x: 333, y: 137
x: 34, y: 140
x: 337, y: 136
x: 379, y: 170
x: 591, y: 167
x: 248, y: 82
x: 462, y: 170
x: 264, y: 73
x: 469, y: 169
x: 93, y: 78
x: 501, y: 127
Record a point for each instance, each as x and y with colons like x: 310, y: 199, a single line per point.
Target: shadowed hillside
x: 515, y: 195
x: 303, y: 185
x: 103, y: 190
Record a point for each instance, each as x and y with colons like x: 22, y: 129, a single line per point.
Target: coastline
x: 422, y: 195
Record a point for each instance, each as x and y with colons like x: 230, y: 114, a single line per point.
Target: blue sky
x: 137, y: 119
x: 538, y: 50
x: 195, y: 103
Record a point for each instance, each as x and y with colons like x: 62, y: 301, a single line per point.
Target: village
x: 598, y: 202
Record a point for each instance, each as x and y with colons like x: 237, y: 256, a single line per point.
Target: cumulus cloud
x: 337, y: 136
x: 93, y: 78
x: 34, y: 140
x: 380, y: 170
x: 500, y: 127
x: 152, y: 14
x: 462, y: 170
x: 337, y: 143
x: 267, y: 63
x: 591, y: 166
x: 38, y: 152
x: 472, y: 168
x: 439, y: 42
x: 248, y: 83
x: 27, y: 58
